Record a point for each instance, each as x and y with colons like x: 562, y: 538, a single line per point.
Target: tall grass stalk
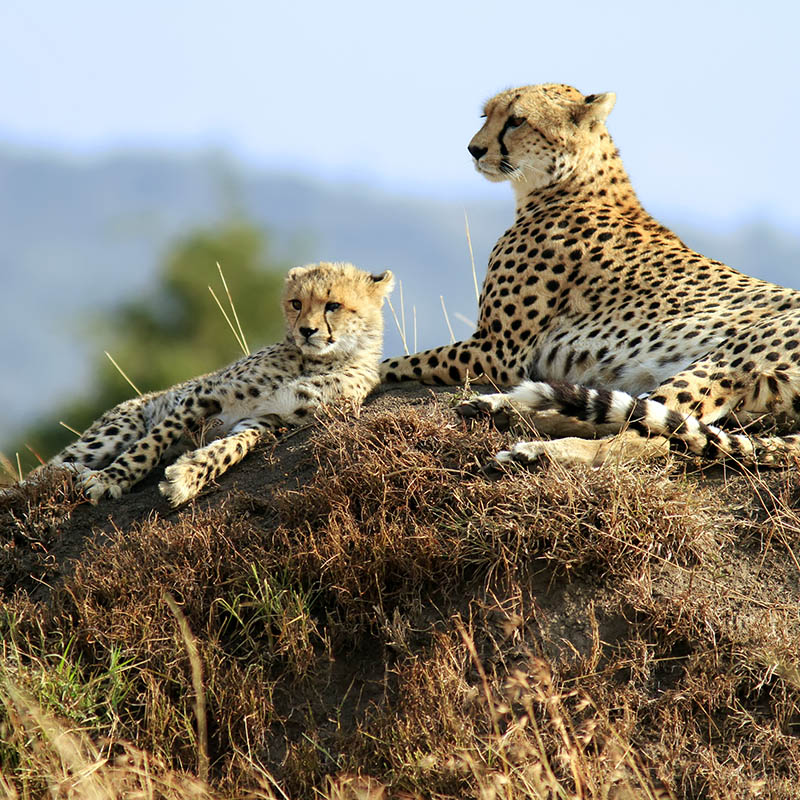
x: 241, y: 336
x: 68, y: 427
x: 122, y: 372
x: 472, y: 259
x: 197, y: 682
x: 400, y: 328
x: 230, y: 324
x: 447, y: 320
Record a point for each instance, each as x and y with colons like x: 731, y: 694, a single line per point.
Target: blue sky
x: 708, y: 93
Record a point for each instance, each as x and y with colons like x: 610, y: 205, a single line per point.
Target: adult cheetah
x: 331, y: 354
x: 594, y: 305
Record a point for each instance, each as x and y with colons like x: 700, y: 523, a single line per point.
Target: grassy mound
x: 357, y: 611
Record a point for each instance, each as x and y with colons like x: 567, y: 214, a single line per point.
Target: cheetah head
x: 536, y: 136
x: 334, y: 310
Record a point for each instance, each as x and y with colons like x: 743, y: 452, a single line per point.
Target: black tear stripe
x: 503, y: 148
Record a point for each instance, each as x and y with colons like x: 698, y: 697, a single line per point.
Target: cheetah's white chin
x: 495, y: 176
x: 315, y: 348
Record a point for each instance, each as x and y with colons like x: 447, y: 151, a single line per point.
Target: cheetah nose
x: 308, y: 332
x: 477, y: 152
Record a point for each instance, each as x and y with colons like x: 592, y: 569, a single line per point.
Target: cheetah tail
x: 649, y: 417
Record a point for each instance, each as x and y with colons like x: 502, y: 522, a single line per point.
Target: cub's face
x: 334, y: 309
x: 538, y: 134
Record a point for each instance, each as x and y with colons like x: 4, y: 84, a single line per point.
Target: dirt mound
x: 363, y: 613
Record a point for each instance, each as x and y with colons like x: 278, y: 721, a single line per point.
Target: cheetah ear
x: 385, y: 281
x: 296, y: 272
x: 594, y: 108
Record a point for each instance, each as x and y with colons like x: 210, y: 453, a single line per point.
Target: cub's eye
x: 332, y: 306
x: 296, y: 305
x: 515, y: 122
x: 483, y: 116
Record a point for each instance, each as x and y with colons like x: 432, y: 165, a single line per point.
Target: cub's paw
x: 494, y: 406
x: 184, y: 479
x: 96, y: 484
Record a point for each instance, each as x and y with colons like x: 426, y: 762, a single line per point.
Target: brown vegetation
x: 358, y: 612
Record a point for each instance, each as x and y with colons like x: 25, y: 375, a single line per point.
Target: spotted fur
x: 587, y: 288
x: 331, y: 353
x: 646, y: 417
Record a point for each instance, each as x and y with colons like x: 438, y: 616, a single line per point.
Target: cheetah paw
x: 494, y: 406
x: 184, y: 480
x: 75, y: 467
x: 524, y: 453
x: 96, y: 484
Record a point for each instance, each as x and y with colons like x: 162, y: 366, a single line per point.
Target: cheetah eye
x: 332, y: 306
x: 515, y: 122
x: 296, y: 305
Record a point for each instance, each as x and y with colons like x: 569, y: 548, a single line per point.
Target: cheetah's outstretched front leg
x: 107, y: 437
x: 292, y: 404
x: 186, y: 478
x: 451, y: 365
x: 508, y: 410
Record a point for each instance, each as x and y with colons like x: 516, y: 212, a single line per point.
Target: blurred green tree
x: 177, y: 331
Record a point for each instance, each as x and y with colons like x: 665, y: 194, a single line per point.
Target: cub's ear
x: 594, y: 108
x: 385, y: 281
x: 296, y: 272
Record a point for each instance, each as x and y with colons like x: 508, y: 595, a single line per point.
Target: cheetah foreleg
x: 106, y: 438
x: 186, y: 478
x: 136, y: 462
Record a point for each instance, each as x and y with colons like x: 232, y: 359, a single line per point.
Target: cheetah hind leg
x: 506, y: 411
x: 620, y: 448
x: 187, y: 477
x: 106, y: 438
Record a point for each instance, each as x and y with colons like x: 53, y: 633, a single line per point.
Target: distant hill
x: 80, y: 235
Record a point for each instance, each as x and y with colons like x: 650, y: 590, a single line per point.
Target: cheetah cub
x: 334, y: 335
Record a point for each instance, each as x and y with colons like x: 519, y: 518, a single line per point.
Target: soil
x: 648, y: 623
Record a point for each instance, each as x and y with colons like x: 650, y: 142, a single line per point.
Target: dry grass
x: 398, y: 625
